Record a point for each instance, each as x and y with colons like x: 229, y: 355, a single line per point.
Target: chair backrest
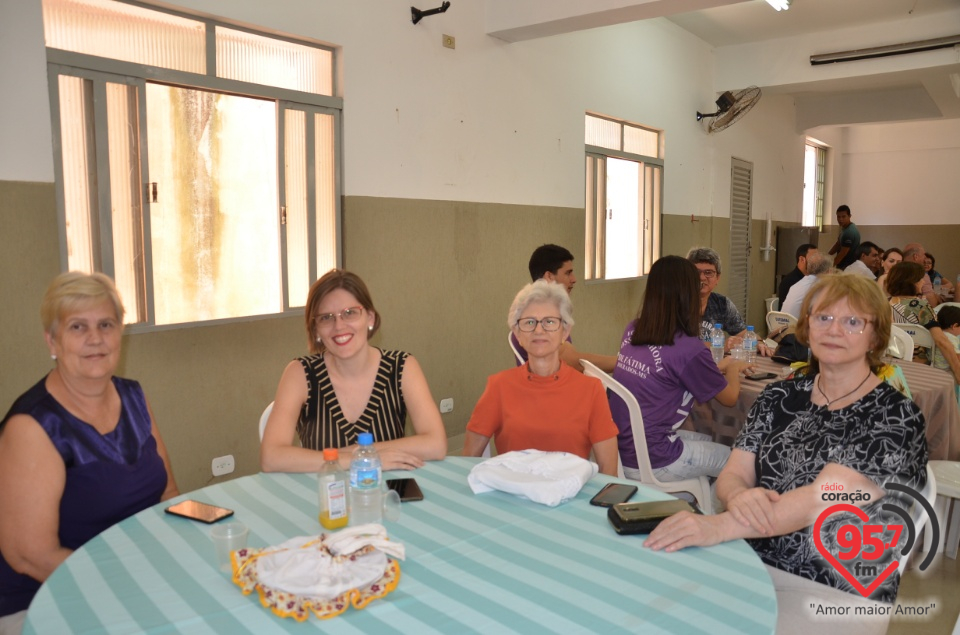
x: 513, y: 347
x: 901, y: 344
x: 918, y: 514
x: 264, y: 417
x: 937, y: 308
x: 636, y: 419
x: 773, y: 304
x: 779, y: 319
x: 921, y: 336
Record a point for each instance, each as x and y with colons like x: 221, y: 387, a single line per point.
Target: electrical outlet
x: 449, y: 41
x: 222, y: 465
x: 446, y: 405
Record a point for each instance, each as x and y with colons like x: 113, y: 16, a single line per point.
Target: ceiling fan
x: 731, y: 106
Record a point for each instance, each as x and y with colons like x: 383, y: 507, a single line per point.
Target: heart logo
x: 883, y: 575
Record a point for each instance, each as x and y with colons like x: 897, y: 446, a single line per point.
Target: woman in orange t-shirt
x: 544, y: 404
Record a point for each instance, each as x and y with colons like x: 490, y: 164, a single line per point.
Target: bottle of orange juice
x: 333, y: 485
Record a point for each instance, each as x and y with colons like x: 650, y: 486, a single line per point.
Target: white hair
x: 541, y: 291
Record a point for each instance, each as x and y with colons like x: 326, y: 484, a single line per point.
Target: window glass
x: 272, y: 62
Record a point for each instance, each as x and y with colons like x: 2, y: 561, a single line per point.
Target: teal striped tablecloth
x: 492, y: 563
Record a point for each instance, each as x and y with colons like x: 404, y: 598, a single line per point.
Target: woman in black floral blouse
x: 837, y: 429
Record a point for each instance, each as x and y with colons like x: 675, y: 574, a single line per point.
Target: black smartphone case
x: 645, y: 526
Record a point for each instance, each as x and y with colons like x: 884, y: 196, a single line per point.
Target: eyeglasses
x: 549, y: 324
x: 709, y: 274
x: 348, y: 315
x: 851, y: 323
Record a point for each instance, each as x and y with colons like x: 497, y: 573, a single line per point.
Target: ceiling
x: 923, y: 93
x: 755, y: 20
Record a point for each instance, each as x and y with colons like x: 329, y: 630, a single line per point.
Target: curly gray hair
x: 705, y: 255
x: 541, y: 291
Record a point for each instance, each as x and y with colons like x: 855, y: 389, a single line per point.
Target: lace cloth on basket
x: 321, y: 574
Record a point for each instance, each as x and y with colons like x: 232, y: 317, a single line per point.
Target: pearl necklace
x: 830, y: 402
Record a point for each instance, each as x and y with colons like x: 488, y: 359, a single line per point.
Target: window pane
x: 125, y: 32
x: 124, y: 143
x: 652, y: 205
x: 295, y: 169
x: 326, y: 194
x: 214, y: 230
x: 272, y: 62
x: 809, y: 186
x: 603, y: 133
x: 623, y: 228
x: 79, y: 171
x: 641, y: 141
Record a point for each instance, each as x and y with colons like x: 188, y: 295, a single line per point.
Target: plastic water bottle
x: 937, y: 285
x: 750, y: 345
x: 333, y: 489
x: 717, y: 338
x: 366, y: 497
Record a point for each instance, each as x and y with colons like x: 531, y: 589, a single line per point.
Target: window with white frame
x: 196, y: 163
x: 814, y: 174
x: 624, y: 185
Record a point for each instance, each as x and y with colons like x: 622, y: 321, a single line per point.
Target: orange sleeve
x: 602, y: 426
x: 487, y: 416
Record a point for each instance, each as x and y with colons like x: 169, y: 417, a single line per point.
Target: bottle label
x: 365, y: 479
x: 336, y: 493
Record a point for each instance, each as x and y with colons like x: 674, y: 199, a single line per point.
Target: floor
x: 940, y: 585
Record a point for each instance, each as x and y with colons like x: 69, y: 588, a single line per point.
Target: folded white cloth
x: 549, y: 478
x: 327, y: 566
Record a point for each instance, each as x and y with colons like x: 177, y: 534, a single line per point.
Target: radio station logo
x: 859, y: 551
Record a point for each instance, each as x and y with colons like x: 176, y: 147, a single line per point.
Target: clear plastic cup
x: 391, y: 506
x: 228, y: 537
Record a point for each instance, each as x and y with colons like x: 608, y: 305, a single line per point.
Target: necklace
x: 830, y: 402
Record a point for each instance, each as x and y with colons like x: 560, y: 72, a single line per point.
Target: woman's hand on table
x: 398, y: 460
x: 686, y: 530
x: 729, y: 365
x: 763, y: 350
x: 752, y: 507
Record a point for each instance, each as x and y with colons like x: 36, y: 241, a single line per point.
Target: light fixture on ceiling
x: 779, y: 5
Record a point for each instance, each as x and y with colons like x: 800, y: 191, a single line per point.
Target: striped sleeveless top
x: 322, y: 424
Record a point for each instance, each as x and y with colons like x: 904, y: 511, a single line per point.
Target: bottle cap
x: 364, y: 438
x: 331, y: 454
x: 717, y: 325
x: 749, y: 328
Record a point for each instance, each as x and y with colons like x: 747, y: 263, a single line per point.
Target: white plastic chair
x: 776, y: 320
x: 937, y: 308
x: 699, y: 487
x: 948, y: 489
x: 773, y: 304
x: 920, y: 517
x: 920, y: 336
x: 513, y: 347
x: 264, y: 417
x: 901, y: 344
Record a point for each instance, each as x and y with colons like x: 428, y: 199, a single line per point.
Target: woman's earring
x: 53, y: 357
x: 370, y: 329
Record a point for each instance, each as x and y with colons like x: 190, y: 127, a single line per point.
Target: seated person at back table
x: 346, y: 386
x: 839, y: 428
x: 544, y: 404
x: 79, y: 451
x: 554, y: 263
x: 664, y: 364
x: 718, y: 309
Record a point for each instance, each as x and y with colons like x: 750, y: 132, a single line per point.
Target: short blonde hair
x: 864, y: 295
x: 73, y: 291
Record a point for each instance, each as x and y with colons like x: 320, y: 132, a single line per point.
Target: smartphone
x: 760, y: 376
x: 195, y: 510
x: 613, y: 493
x: 407, y: 488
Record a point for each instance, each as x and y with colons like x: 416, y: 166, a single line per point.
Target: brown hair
x: 671, y: 303
x: 903, y: 278
x: 863, y: 295
x: 74, y: 290
x: 331, y: 281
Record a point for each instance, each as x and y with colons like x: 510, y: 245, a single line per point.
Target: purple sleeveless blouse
x: 109, y: 476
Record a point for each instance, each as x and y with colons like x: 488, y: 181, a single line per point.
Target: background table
x: 492, y: 563
x: 932, y: 389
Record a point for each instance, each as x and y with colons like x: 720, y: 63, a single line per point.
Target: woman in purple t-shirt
x: 665, y: 365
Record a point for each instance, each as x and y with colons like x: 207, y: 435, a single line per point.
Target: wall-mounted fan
x: 730, y: 107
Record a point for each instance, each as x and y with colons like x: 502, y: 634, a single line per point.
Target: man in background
x: 914, y: 252
x: 797, y: 274
x: 844, y: 251
x: 817, y: 264
x: 555, y: 264
x: 868, y: 261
